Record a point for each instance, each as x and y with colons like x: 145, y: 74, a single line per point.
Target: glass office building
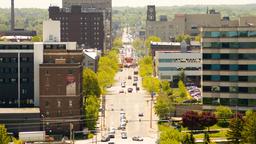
x: 229, y: 67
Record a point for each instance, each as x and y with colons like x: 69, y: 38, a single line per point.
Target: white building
x: 51, y: 31
x: 170, y: 64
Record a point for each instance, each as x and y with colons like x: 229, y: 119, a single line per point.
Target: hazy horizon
x: 130, y: 3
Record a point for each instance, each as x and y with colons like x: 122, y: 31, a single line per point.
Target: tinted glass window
x: 215, y: 77
x: 233, y: 67
x: 215, y: 67
x: 252, y: 33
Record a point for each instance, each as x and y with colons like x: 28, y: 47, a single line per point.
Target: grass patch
x: 215, y: 134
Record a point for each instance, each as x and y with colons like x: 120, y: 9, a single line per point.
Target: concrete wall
x: 182, y: 108
x: 51, y: 31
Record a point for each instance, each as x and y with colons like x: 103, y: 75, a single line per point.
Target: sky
x: 132, y: 3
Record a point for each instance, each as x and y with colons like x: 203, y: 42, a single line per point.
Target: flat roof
x: 192, y: 43
x: 19, y: 110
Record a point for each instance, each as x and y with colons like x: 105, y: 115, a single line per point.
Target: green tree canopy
x: 180, y: 38
x: 151, y: 84
x: 249, y: 132
x: 163, y: 106
x: 235, y: 129
x: 36, y: 39
x: 4, y: 138
x: 90, y: 83
x: 118, y: 43
x: 92, y: 104
x: 223, y: 112
x: 146, y: 66
x: 151, y: 39
x: 170, y: 136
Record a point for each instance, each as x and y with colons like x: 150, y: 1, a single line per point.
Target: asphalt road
x: 132, y: 104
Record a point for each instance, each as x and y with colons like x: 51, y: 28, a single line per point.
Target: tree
x: 181, y: 38
x: 170, y: 136
x: 118, y: 42
x: 151, y: 84
x: 206, y: 138
x: 151, y: 39
x: 92, y: 104
x: 4, y: 138
x: 198, y: 38
x: 36, y: 39
x: 182, y: 75
x: 183, y: 90
x: 249, y: 131
x: 165, y: 87
x: 17, y: 141
x: 235, y: 129
x: 208, y: 119
x: 90, y: 83
x: 188, y: 139
x: 191, y: 120
x: 163, y: 106
x: 223, y: 113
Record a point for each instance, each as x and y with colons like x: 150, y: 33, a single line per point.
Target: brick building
x: 82, y: 25
x: 61, y: 88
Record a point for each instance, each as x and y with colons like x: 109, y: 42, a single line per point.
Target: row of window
x: 230, y: 89
x: 231, y: 78
x: 59, y: 104
x: 14, y: 47
x: 15, y: 59
x: 15, y: 70
x: 54, y: 46
x: 181, y: 60
x: 178, y: 69
x: 229, y: 34
x: 13, y: 80
x: 229, y: 44
x: 229, y: 102
x: 15, y: 102
x: 232, y: 67
x: 230, y: 56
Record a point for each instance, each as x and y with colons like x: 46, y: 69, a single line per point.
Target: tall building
x: 19, y: 74
x: 229, y: 67
x: 104, y: 6
x: 61, y: 87
x: 84, y: 26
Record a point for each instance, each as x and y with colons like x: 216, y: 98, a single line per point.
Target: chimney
x: 12, y: 16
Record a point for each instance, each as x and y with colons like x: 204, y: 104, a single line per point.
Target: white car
x: 124, y: 135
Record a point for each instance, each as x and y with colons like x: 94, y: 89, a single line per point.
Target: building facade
x: 170, y: 64
x: 19, y: 74
x: 104, y: 6
x: 229, y: 67
x: 84, y: 26
x: 61, y: 87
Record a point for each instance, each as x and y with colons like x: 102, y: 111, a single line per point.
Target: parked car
x: 111, y: 142
x: 129, y: 90
x: 137, y: 138
x: 121, y: 91
x: 123, y: 135
x: 135, y: 78
x: 105, y: 138
x: 129, y: 77
x: 123, y: 85
x: 137, y: 88
x: 141, y: 114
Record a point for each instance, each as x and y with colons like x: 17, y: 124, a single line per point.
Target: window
x: 252, y: 102
x: 215, y: 56
x: 224, y: 78
x: 13, y: 80
x: 24, y: 91
x: 242, y: 102
x: 24, y: 80
x: 252, y: 90
x: 243, y: 34
x: 59, y: 103
x: 233, y: 89
x: 70, y: 71
x: 46, y: 104
x: 58, y: 113
x: 1, y: 60
x: 224, y: 67
x: 206, y: 88
x: 252, y: 33
x: 224, y: 101
x: 251, y: 67
x: 233, y: 67
x: 233, y: 78
x: 70, y: 103
x: 215, y: 67
x: 1, y: 80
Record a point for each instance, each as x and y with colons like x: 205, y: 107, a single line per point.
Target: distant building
x: 91, y: 59
x: 229, y: 67
x: 104, y: 6
x: 188, y: 23
x: 170, y: 63
x: 84, y: 26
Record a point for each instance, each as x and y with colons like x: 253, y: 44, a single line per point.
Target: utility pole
x: 151, y: 107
